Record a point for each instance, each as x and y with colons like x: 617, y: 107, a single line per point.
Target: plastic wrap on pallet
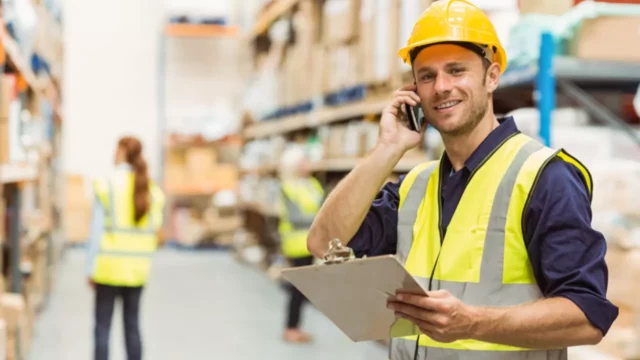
x: 524, y: 44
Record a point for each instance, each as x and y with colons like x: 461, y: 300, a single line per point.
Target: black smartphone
x: 416, y: 117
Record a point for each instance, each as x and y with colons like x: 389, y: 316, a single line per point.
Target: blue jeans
x: 105, y: 300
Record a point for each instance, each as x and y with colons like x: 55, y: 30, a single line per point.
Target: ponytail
x: 141, y: 198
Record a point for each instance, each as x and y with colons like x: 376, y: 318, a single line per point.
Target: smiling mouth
x: 447, y: 105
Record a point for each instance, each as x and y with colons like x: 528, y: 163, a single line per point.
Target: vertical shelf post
x: 14, y: 242
x: 546, y: 86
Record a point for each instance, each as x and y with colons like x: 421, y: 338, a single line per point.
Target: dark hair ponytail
x: 133, y: 156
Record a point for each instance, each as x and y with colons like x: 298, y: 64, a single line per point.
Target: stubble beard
x: 469, y: 123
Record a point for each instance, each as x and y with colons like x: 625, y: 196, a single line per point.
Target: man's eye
x: 457, y: 71
x: 427, y: 77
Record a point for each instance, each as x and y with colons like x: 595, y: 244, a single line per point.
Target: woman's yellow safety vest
x: 482, y: 259
x: 301, y: 201
x: 126, y: 248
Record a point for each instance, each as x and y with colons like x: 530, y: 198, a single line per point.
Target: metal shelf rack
x: 573, y: 78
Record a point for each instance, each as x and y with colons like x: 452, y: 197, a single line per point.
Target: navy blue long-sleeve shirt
x: 566, y: 253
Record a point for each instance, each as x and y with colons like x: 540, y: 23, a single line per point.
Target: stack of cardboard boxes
x: 340, y: 35
x: 351, y: 140
x: 193, y: 176
x: 15, y: 327
x: 601, y: 35
x: 300, y: 72
x: 209, y: 225
x: 196, y: 170
x: 338, y: 45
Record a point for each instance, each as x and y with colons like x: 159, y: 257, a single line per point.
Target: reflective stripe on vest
x: 111, y: 221
x: 501, y: 281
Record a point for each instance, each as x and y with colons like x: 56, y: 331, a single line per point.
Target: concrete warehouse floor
x: 197, y: 305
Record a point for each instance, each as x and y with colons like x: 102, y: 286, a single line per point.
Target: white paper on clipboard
x: 353, y: 295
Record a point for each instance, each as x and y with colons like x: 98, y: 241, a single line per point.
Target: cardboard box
x: 13, y: 310
x: 379, y: 40
x: 318, y: 65
x: 77, y: 224
x: 75, y: 192
x: 548, y: 7
x: 594, y: 39
x: 7, y: 94
x: 337, y: 137
x: 344, y: 68
x: 198, y: 158
x: 4, y: 141
x: 225, y: 177
x: 307, y: 23
x: 175, y: 177
x: 559, y: 7
x: 340, y: 21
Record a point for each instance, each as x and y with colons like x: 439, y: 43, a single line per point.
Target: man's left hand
x: 440, y: 315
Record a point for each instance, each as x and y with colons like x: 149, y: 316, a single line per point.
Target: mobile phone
x: 416, y: 117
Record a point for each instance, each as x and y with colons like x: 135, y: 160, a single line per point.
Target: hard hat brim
x: 405, y: 52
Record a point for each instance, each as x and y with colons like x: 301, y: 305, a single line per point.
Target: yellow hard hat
x: 454, y: 21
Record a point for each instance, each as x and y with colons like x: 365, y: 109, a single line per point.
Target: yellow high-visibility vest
x: 301, y: 201
x: 482, y: 259
x: 124, y: 258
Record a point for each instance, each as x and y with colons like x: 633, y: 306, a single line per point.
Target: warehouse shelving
x: 198, y: 189
x: 200, y: 30
x: 341, y: 165
x: 42, y: 84
x: 36, y: 234
x: 344, y: 164
x: 573, y: 78
x: 16, y: 173
x: 317, y: 117
x: 181, y: 30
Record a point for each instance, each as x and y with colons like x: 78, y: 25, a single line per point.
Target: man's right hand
x: 394, y: 123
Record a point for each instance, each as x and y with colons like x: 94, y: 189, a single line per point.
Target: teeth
x: 447, y: 105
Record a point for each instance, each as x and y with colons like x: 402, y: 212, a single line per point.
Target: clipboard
x: 353, y: 293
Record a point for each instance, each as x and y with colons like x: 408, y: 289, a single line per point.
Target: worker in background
x: 126, y: 219
x: 497, y: 230
x: 301, y: 198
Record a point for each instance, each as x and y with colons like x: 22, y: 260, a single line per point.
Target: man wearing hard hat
x: 498, y: 230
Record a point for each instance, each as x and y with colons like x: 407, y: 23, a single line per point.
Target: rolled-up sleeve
x: 378, y: 233
x: 566, y: 253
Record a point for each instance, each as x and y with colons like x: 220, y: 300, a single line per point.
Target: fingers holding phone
x: 400, y: 121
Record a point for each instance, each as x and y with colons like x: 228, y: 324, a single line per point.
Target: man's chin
x: 446, y: 127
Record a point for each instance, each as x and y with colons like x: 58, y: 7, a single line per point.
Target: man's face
x: 451, y: 82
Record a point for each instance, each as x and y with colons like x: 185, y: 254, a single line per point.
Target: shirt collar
x: 123, y: 166
x: 506, y: 129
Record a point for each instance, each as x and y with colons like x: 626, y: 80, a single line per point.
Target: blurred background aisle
x: 217, y: 91
x: 198, y: 305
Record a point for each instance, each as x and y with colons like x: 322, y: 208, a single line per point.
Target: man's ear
x: 492, y: 77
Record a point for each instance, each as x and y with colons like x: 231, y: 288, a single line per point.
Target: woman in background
x: 127, y: 216
x: 302, y: 196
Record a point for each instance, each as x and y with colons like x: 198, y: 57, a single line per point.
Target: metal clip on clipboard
x: 337, y: 253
